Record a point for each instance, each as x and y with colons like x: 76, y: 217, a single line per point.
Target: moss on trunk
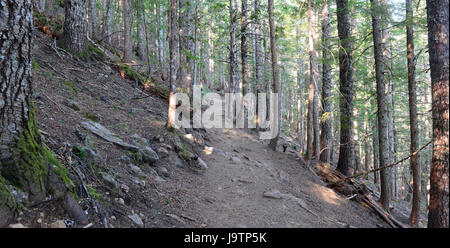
x: 31, y: 160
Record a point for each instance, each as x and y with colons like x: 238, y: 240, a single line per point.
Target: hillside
x: 240, y: 183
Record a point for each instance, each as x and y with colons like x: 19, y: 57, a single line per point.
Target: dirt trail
x: 241, y: 169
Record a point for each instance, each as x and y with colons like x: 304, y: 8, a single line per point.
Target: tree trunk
x: 244, y: 55
x: 107, y: 28
x: 325, y: 138
x: 438, y: 24
x: 383, y: 118
x: 127, y: 44
x: 92, y: 19
x: 234, y: 71
x: 275, y: 78
x: 25, y: 161
x: 141, y: 42
x: 346, y: 149
x: 173, y: 40
x: 414, y: 162
x: 312, y: 97
x: 186, y: 45
x: 74, y: 35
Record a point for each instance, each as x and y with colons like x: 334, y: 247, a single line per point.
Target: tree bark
x: 325, y: 138
x: 92, y: 19
x: 127, y: 44
x: 74, y: 36
x: 346, y: 149
x: 234, y: 71
x: 173, y: 40
x: 438, y: 26
x: 414, y: 162
x: 275, y: 78
x: 383, y: 118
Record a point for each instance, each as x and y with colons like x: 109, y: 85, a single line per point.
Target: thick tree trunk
x: 414, y: 162
x: 74, y: 36
x: 325, y: 138
x: 438, y: 25
x: 275, y: 78
x: 127, y: 43
x: 383, y: 118
x: 25, y: 161
x: 346, y: 150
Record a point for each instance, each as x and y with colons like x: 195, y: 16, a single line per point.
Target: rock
x: 284, y: 176
x: 202, y: 163
x: 58, y: 224
x: 136, y: 170
x: 110, y: 180
x: 19, y: 195
x: 72, y: 104
x: 107, y: 135
x: 273, y: 193
x: 139, y: 182
x: 235, y: 160
x: 125, y: 188
x: 138, y: 140
x: 163, y: 151
x: 163, y: 171
x: 136, y: 219
x: 125, y: 159
x: 153, y: 172
x: 39, y: 221
x: 167, y: 146
x: 121, y: 201
x: 148, y: 154
x: 175, y: 160
x: 17, y: 225
x: 245, y: 180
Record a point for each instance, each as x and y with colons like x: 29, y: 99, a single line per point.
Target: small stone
x: 120, y: 201
x: 125, y: 188
x: 235, y: 160
x: 39, y: 221
x: 110, y: 180
x: 139, y: 182
x: 113, y: 217
x: 136, y: 170
x: 136, y: 219
x: 274, y: 194
x: 125, y: 159
x: 163, y: 151
x: 58, y: 224
x: 202, y: 163
x: 284, y: 176
x: 17, y: 225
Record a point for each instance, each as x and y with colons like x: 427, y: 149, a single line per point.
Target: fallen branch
x: 381, y: 168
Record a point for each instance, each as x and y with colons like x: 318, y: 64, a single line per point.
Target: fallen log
x: 357, y: 192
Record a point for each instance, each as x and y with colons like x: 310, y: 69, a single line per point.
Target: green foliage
x: 71, y: 86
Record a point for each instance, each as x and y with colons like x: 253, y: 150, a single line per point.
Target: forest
x: 90, y: 113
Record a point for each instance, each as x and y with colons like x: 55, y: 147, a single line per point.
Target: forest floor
x: 245, y: 185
